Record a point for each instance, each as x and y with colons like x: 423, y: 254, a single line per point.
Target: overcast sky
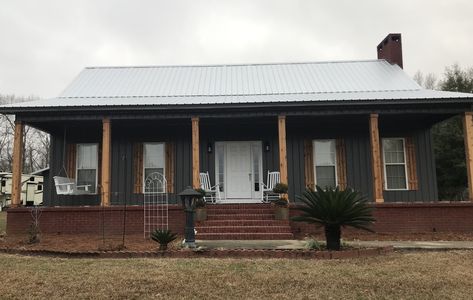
x: 45, y: 44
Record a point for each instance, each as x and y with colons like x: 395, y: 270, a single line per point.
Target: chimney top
x: 390, y: 49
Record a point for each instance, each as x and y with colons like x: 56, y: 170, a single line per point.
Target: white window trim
x: 404, y: 163
x: 314, y: 160
x: 96, y: 169
x: 164, y: 166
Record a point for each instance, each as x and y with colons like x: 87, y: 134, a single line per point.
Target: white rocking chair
x: 67, y: 186
x: 212, y: 193
x: 267, y: 189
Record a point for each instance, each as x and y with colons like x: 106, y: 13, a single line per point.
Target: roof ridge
x: 237, y: 64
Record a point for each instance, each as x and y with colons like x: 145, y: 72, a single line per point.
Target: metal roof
x: 250, y: 83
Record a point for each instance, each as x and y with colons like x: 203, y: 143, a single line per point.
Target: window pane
x: 325, y: 176
x: 220, y: 165
x: 393, y: 151
x: 256, y: 164
x: 87, y: 156
x: 154, y: 155
x: 324, y: 153
x: 396, y: 177
x: 87, y: 177
x: 154, y: 183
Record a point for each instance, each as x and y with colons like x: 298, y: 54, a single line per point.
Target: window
x: 87, y: 163
x: 154, y: 162
x: 220, y: 167
x: 325, y: 163
x: 394, y: 164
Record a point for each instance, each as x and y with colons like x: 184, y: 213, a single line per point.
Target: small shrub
x: 33, y: 234
x: 163, y: 237
x: 280, y: 188
x: 200, y: 203
x: 313, y: 244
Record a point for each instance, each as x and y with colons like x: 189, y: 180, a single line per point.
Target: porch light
x: 266, y: 146
x: 188, y: 198
x: 209, y: 147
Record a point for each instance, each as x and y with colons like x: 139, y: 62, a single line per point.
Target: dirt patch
x: 421, y: 236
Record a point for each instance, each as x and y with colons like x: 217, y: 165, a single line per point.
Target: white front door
x: 239, y: 175
x: 239, y: 170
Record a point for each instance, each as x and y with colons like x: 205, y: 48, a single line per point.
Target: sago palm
x: 332, y: 209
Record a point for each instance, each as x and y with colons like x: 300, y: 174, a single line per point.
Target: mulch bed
x: 88, y: 246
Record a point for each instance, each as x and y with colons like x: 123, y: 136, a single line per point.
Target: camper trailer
x: 31, y: 189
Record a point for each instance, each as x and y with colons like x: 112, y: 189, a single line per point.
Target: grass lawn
x: 3, y: 221
x: 411, y: 275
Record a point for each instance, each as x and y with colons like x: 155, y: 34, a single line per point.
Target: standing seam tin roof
x: 250, y: 83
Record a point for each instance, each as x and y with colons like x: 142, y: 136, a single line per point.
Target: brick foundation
x: 412, y: 218
x: 391, y: 218
x: 89, y: 220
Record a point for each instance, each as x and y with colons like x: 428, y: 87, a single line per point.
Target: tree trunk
x: 332, y: 237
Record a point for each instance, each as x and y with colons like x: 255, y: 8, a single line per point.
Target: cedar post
x: 195, y: 153
x: 468, y: 137
x: 376, y: 159
x: 106, y: 155
x: 17, y: 164
x: 282, y: 148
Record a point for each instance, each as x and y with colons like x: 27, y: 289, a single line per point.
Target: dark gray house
x: 359, y: 124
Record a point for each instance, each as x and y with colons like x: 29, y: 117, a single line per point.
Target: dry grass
x: 413, y: 275
x: 3, y: 221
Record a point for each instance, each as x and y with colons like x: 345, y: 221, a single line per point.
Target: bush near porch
x: 412, y: 275
x: 3, y: 221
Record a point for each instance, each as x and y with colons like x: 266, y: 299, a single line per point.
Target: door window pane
x: 256, y: 148
x: 220, y: 165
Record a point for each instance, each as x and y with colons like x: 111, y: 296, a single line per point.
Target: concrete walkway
x: 300, y: 244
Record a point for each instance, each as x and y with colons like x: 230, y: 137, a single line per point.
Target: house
x: 359, y: 124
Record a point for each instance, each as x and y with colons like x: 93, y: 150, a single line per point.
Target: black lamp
x: 209, y: 147
x: 188, y: 198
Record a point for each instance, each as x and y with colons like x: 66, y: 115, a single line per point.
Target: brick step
x: 243, y: 223
x: 237, y: 211
x: 238, y: 206
x: 240, y: 216
x: 244, y: 236
x: 243, y: 229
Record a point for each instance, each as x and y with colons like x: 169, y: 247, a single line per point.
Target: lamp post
x: 188, y: 197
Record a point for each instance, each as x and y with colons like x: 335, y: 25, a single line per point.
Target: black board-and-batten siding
x: 358, y: 164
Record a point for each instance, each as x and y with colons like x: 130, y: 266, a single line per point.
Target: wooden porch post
x: 376, y: 159
x: 282, y: 148
x: 468, y: 137
x: 106, y: 158
x: 195, y: 153
x: 17, y: 164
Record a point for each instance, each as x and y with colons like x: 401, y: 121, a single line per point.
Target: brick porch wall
x: 89, y: 220
x: 391, y: 218
x: 412, y: 218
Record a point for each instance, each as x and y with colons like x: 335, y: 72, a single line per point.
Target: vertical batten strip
x: 376, y: 159
x: 106, y: 157
x: 468, y: 138
x: 17, y: 164
x: 195, y: 153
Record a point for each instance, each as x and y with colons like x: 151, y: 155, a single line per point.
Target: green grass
x: 3, y: 221
x: 411, y: 275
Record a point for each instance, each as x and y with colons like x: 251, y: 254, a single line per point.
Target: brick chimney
x: 390, y: 49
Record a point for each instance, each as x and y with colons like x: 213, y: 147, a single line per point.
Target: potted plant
x: 281, y: 208
x: 200, y: 207
x: 163, y: 237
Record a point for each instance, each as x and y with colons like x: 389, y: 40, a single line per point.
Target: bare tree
x: 35, y: 142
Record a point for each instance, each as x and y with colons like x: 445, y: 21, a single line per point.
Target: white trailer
x: 31, y: 189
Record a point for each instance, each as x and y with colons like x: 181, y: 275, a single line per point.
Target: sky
x: 45, y: 44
